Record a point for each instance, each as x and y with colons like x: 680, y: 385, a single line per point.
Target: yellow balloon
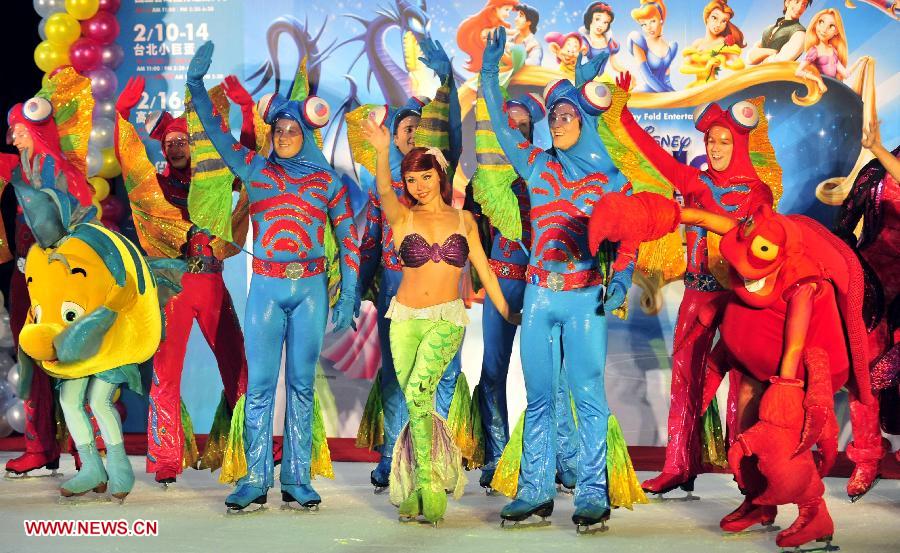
x: 110, y: 166
x: 82, y: 9
x: 101, y: 188
x: 99, y: 207
x: 62, y: 29
x: 48, y: 56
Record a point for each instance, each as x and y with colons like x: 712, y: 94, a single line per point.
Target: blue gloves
x: 435, y: 58
x: 494, y: 50
x: 589, y: 71
x: 346, y: 309
x: 200, y: 63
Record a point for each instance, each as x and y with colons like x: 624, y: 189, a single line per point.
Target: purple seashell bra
x: 415, y: 250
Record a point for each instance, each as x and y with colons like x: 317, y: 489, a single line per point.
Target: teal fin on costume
x: 105, y: 248
x: 82, y: 339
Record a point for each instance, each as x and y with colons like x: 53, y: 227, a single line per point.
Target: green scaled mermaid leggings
x: 422, y: 349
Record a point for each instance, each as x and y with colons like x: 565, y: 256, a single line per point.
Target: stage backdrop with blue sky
x: 365, y: 52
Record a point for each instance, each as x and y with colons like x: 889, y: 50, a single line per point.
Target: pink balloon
x: 113, y: 208
x: 85, y: 55
x: 111, y: 6
x: 103, y: 27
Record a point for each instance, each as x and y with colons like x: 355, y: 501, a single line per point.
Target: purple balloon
x: 85, y: 55
x: 112, y: 55
x: 111, y: 6
x: 103, y: 83
x: 103, y: 27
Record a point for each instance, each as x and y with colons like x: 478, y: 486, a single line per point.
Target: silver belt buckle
x: 293, y: 270
x: 556, y: 282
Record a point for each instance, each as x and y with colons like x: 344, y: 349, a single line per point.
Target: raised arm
x: 681, y: 176
x: 517, y: 148
x: 239, y: 95
x: 137, y: 156
x: 488, y: 279
x: 235, y: 156
x: 395, y: 212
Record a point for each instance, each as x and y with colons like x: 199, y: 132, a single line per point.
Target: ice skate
x: 301, y: 497
x: 21, y: 467
x: 379, y: 481
x: 665, y: 483
x: 565, y: 482
x: 747, y: 515
x: 864, y: 477
x: 246, y: 499
x: 92, y: 475
x: 519, y: 512
x: 487, y: 475
x: 590, y: 520
x: 121, y: 475
x: 813, y: 524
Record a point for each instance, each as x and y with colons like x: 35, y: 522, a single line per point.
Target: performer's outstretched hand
x: 200, y: 63
x: 435, y: 58
x: 377, y: 135
x: 494, y: 49
x: 623, y: 80
x: 130, y: 96
x: 585, y: 73
x: 236, y: 91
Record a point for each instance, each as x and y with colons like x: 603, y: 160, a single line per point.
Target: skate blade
x: 662, y: 498
x: 491, y: 492
x: 813, y: 549
x: 523, y: 524
x: 587, y: 530
x: 855, y: 498
x: 248, y: 510
x: 418, y: 519
x: 380, y: 490
x: 83, y: 499
x: 753, y: 531
x: 294, y: 506
x: 12, y: 475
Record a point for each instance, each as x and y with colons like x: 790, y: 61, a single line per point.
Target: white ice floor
x: 191, y: 518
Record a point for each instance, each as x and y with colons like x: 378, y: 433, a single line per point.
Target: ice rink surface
x: 191, y: 518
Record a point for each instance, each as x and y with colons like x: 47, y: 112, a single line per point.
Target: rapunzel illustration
x: 720, y: 48
x: 472, y: 32
x: 825, y: 49
x: 653, y: 53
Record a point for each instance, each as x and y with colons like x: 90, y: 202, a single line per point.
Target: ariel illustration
x: 472, y: 33
x: 653, y: 53
x: 719, y: 48
x: 598, y: 19
x: 825, y: 49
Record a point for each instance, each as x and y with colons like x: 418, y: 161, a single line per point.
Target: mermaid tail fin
x: 371, y: 426
x: 214, y: 452
x: 624, y: 486
x: 506, y: 476
x: 477, y: 459
x: 190, y: 454
x: 234, y: 464
x: 320, y: 460
x: 713, y: 451
x: 445, y: 459
x: 459, y: 421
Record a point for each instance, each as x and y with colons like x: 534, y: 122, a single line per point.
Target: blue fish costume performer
x: 439, y: 125
x: 563, y: 284
x: 293, y: 194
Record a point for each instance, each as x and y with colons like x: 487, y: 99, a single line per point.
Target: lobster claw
x: 813, y: 425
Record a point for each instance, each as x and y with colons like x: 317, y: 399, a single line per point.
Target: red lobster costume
x: 736, y: 191
x: 793, y: 323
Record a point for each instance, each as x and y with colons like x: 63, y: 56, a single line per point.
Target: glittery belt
x: 559, y: 282
x: 389, y: 260
x: 204, y: 264
x: 702, y: 282
x: 293, y: 269
x: 510, y: 271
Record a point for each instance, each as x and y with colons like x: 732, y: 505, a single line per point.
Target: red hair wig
x: 418, y: 159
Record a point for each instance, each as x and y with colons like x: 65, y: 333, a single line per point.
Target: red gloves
x: 130, y: 96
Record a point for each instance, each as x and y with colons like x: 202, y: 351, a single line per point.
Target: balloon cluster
x: 82, y: 33
x: 12, y: 407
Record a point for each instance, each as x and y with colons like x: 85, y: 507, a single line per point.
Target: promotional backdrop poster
x: 366, y: 52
